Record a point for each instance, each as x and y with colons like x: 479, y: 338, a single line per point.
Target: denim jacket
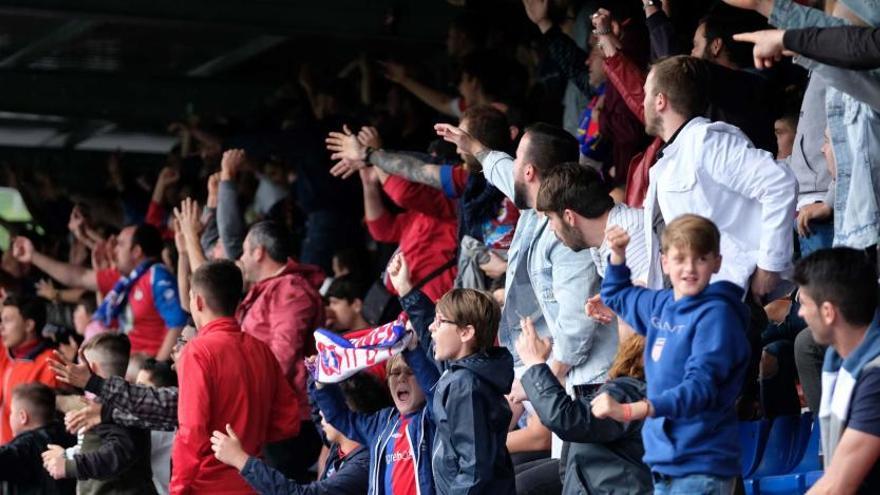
x: 855, y: 134
x: 550, y: 283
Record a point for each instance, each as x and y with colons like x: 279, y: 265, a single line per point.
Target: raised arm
x: 145, y: 407
x: 230, y: 222
x: 70, y: 275
x: 354, y: 152
x: 435, y: 99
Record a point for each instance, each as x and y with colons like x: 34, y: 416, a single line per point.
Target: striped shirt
x: 633, y: 221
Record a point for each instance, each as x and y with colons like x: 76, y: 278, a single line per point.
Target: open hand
x: 345, y: 146
x: 66, y: 371
x: 461, y: 139
x: 188, y: 217
x: 597, y: 310
x: 532, y: 349
x: 227, y: 448
x: 369, y: 137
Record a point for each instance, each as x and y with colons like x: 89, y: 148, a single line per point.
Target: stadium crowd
x: 569, y: 259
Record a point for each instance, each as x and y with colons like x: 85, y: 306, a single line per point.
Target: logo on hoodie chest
x: 657, y: 350
x: 665, y: 326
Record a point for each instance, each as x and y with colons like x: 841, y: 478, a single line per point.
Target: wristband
x: 627, y: 412
x: 597, y: 32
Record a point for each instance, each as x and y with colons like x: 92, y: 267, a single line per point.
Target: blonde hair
x: 692, y: 232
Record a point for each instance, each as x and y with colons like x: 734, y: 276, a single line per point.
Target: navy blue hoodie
x: 696, y: 355
x: 470, y: 412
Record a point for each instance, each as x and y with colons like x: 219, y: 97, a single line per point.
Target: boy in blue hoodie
x: 469, y: 407
x: 696, y: 355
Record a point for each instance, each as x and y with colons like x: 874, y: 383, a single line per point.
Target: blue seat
x: 803, y: 457
x: 811, y: 478
x: 752, y: 439
x: 784, y: 484
x: 786, y: 443
x: 750, y: 486
x: 809, y: 460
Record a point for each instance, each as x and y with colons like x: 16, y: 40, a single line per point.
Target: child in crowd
x: 110, y: 458
x: 469, y: 406
x: 400, y: 437
x: 35, y: 428
x: 346, y: 467
x: 696, y: 356
x: 159, y: 374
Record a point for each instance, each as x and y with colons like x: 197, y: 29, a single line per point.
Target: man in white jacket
x: 711, y: 169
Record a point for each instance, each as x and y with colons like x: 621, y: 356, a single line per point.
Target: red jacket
x: 629, y: 81
x: 32, y: 367
x: 282, y: 312
x: 227, y: 376
x: 426, y: 232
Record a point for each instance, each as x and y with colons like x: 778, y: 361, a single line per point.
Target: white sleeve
x: 739, y: 166
x: 498, y: 170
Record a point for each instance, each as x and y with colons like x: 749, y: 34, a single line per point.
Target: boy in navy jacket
x: 696, y: 356
x: 469, y: 407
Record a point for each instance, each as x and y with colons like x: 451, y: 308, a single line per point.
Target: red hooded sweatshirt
x: 282, y: 312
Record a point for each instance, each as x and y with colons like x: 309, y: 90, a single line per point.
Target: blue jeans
x: 822, y: 234
x: 695, y: 484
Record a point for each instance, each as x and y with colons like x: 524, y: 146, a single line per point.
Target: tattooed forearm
x: 408, y: 167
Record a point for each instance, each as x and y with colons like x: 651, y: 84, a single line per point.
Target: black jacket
x: 605, y: 456
x: 113, y: 460
x: 346, y: 476
x: 21, y: 463
x: 850, y: 47
x: 470, y: 412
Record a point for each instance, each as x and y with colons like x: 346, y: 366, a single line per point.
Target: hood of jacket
x: 724, y: 291
x: 494, y: 366
x: 313, y: 274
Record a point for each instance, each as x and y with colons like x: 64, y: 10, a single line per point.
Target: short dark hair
x: 723, y: 21
x: 149, y: 239
x: 489, y: 126
x: 161, y: 372
x: 40, y: 400
x: 31, y: 308
x: 347, y: 287
x: 683, y: 79
x: 113, y: 352
x: 272, y: 237
x: 844, y: 277
x: 576, y: 187
x: 220, y: 283
x: 549, y: 146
